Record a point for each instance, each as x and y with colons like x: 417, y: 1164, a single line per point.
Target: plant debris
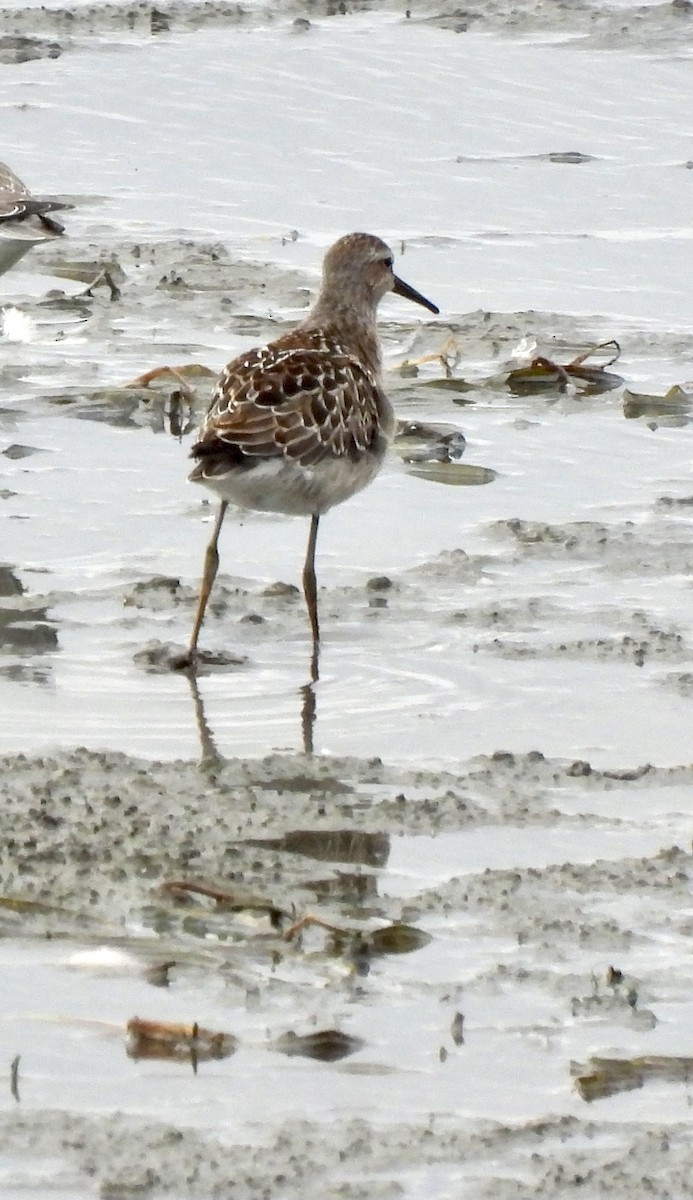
x: 230, y: 901
x: 600, y: 1078
x: 673, y: 408
x: 543, y: 374
x: 397, y: 938
x: 327, y: 1045
x: 456, y: 474
x: 166, y: 1041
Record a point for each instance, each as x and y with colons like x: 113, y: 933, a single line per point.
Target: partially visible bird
x: 24, y: 220
x: 303, y: 423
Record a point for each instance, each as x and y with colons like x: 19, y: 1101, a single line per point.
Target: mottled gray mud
x: 657, y: 26
x: 564, y: 1156
x: 88, y: 839
x: 503, y: 729
x: 102, y: 814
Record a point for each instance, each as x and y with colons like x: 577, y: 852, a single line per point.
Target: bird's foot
x: 184, y: 662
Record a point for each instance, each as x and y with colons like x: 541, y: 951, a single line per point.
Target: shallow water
x: 546, y: 611
x: 503, y: 229
x: 111, y: 525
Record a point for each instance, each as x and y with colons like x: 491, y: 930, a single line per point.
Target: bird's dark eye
x: 390, y: 262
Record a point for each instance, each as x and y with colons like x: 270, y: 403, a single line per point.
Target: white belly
x: 277, y: 485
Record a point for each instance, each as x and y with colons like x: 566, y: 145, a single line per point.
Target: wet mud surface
x: 584, y: 871
x: 536, y: 875
x: 661, y: 26
x: 494, y: 830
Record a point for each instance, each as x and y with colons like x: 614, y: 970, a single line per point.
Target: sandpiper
x: 24, y: 220
x: 303, y: 423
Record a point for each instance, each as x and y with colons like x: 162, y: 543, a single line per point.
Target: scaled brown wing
x: 305, y: 404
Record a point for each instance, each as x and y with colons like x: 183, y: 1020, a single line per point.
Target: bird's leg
x: 211, y: 757
x: 310, y: 589
x: 211, y: 564
x: 308, y: 714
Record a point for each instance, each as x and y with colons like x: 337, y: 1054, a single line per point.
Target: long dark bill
x: 25, y: 206
x: 403, y: 289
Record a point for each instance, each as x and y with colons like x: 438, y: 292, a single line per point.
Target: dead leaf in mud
x: 452, y: 473
x: 164, y: 375
x: 71, y: 311
x: 88, y: 271
x: 182, y: 1043
x: 331, y: 845
x: 104, y: 277
x: 455, y: 387
x: 396, y: 939
x: 543, y: 374
x: 159, y: 974
x: 110, y: 397
x: 231, y: 901
x: 392, y: 939
x: 17, y: 451
x: 453, y: 383
x: 567, y: 156
x: 346, y: 888
x: 600, y: 1078
x: 328, y: 1045
x: 417, y: 442
x: 673, y: 408
x: 448, y: 357
x: 19, y: 905
x: 181, y: 401
x: 125, y: 407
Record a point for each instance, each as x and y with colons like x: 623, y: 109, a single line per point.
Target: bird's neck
x: 352, y: 327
